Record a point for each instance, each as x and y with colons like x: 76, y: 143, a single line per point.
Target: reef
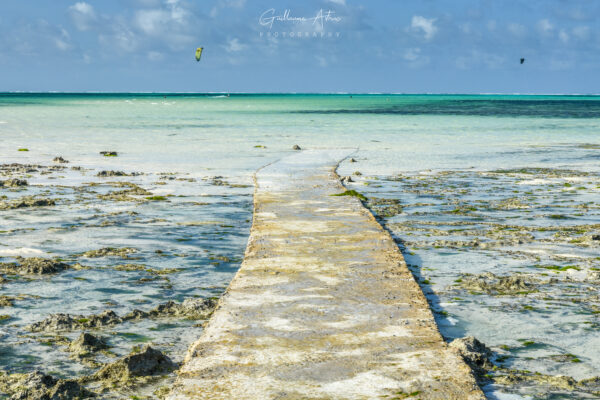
x: 65, y: 322
x: 192, y: 308
x: 34, y: 266
x: 39, y: 386
x: 87, y: 343
x: 122, y: 252
x: 492, y: 284
x: 384, y: 207
x: 125, y: 194
x: 26, y: 202
x: 106, y: 174
x: 148, y: 362
x: 13, y: 183
x: 476, y: 354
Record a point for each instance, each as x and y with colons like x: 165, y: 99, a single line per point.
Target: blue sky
x: 456, y: 46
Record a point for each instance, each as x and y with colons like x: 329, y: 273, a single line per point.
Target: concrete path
x: 323, y: 306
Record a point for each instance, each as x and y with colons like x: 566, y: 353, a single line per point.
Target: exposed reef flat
x: 189, y: 308
x: 509, y: 256
x: 150, y: 276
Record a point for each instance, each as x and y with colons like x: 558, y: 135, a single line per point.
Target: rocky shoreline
x: 532, y: 234
x: 104, y: 354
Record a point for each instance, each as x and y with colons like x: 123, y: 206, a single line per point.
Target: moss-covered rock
x: 146, y: 363
x: 142, y: 267
x: 193, y: 308
x: 60, y: 160
x: 512, y: 203
x: 490, y: 283
x: 26, y: 202
x: 515, y: 377
x: 106, y: 174
x: 39, y: 386
x: 122, y: 252
x: 6, y: 301
x: 65, y: 322
x: 13, y: 183
x: 34, y: 266
x: 385, y: 208
x: 126, y: 194
x: 87, y: 343
x: 476, y: 354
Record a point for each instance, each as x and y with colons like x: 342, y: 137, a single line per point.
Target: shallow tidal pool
x: 118, y: 241
x: 511, y: 257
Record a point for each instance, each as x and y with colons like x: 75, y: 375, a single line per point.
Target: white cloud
x: 414, y: 57
x: 151, y: 22
x: 83, y: 8
x: 154, y: 29
x: 545, y: 27
x: 37, y: 37
x: 61, y: 41
x: 61, y: 44
x: 178, y: 13
x: 425, y: 25
x: 169, y: 24
x: 155, y: 21
x: 120, y: 38
x: 155, y: 56
x: 563, y: 36
x: 412, y: 54
x: 83, y: 15
x: 234, y: 45
x: 340, y: 2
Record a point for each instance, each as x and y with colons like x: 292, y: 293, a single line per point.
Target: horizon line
x: 293, y: 93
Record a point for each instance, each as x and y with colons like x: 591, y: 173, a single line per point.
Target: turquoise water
x: 199, y: 152
x: 182, y: 131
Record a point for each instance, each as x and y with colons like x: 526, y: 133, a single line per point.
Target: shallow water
x: 200, y: 233
x: 445, y: 148
x: 454, y: 225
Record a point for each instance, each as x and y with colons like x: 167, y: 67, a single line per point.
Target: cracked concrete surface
x: 323, y: 306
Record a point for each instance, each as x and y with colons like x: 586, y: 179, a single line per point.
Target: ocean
x: 468, y: 185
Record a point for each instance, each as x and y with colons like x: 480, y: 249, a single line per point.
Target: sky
x: 358, y: 46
